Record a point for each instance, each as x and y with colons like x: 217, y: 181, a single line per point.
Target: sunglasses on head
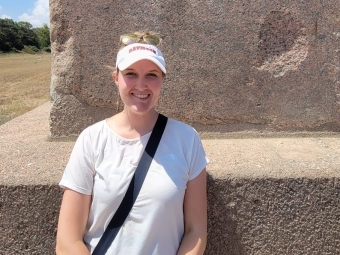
x: 134, y: 38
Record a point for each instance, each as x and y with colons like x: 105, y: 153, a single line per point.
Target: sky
x: 35, y: 12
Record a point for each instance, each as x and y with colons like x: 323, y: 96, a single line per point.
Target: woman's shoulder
x: 96, y: 127
x: 177, y: 123
x: 94, y: 131
x: 179, y: 127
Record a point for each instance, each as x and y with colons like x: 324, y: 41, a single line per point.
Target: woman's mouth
x: 141, y: 96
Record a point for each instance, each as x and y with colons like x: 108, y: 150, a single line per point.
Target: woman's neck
x: 140, y: 122
x: 130, y: 125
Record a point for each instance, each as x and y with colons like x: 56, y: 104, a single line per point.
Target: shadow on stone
x: 223, y: 237
x: 28, y: 219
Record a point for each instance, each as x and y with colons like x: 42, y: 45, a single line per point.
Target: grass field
x: 24, y: 83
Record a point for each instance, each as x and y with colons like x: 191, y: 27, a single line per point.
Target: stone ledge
x: 246, y: 216
x: 266, y: 195
x: 30, y: 157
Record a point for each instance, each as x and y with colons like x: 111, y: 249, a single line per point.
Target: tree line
x: 21, y: 36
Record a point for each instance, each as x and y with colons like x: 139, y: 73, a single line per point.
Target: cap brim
x: 128, y: 62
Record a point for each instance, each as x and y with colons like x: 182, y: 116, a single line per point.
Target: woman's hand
x: 73, y: 217
x: 195, y: 217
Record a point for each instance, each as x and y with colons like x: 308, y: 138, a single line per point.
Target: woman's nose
x: 141, y: 83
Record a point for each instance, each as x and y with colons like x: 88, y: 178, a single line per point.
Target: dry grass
x: 24, y: 83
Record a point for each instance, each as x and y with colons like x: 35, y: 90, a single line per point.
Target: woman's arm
x: 73, y: 217
x: 195, y: 217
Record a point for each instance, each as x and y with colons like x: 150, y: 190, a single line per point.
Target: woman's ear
x: 115, y: 77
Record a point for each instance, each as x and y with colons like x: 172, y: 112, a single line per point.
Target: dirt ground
x: 24, y: 83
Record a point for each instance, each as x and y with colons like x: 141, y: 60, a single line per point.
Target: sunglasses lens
x: 129, y: 39
x: 151, y: 39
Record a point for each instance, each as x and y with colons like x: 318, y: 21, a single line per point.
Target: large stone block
x: 268, y: 195
x: 246, y: 217
x: 264, y: 65
x: 273, y: 216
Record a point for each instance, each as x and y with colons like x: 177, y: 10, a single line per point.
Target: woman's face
x: 140, y: 86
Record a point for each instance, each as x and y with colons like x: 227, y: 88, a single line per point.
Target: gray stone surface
x: 28, y: 219
x: 274, y: 216
x: 259, y: 65
x: 266, y: 195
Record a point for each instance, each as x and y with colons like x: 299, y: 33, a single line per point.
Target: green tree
x: 43, y: 34
x: 15, y: 35
x: 26, y: 34
x: 9, y: 39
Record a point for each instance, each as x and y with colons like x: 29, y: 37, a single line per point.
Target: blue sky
x: 35, y: 12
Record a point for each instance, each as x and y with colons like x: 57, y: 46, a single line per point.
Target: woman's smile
x: 141, y: 96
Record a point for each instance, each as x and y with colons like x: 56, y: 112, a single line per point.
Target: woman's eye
x: 152, y: 75
x: 130, y: 74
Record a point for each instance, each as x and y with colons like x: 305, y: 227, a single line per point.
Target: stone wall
x: 268, y: 195
x: 232, y: 64
x: 246, y: 217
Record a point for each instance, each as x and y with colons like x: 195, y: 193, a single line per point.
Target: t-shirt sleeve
x: 198, y: 158
x: 79, y: 171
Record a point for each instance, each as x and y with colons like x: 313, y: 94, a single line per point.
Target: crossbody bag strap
x: 135, y: 186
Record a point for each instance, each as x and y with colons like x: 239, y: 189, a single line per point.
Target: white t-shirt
x: 102, y: 164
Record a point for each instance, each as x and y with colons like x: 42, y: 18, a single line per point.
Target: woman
x: 169, y: 216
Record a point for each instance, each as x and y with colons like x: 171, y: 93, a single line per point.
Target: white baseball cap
x: 132, y: 53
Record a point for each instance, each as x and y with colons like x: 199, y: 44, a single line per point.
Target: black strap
x: 135, y: 186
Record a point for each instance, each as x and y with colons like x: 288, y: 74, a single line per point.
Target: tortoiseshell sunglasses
x: 134, y: 38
